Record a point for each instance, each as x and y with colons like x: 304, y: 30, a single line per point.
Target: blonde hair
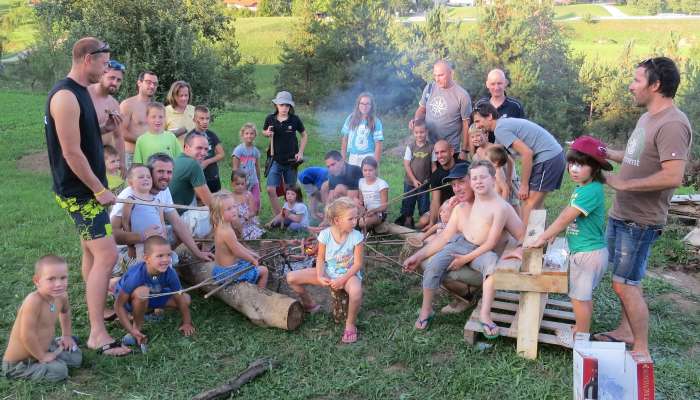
x: 339, y: 207
x: 216, y: 208
x: 246, y: 126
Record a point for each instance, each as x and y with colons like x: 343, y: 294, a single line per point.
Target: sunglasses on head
x: 114, y: 64
x: 102, y: 49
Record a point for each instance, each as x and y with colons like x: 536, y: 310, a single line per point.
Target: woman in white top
x: 179, y: 113
x: 375, y: 195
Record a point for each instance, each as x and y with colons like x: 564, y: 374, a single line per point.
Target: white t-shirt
x: 163, y: 197
x: 299, y: 209
x: 371, y: 193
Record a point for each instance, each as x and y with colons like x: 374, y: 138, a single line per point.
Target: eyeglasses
x: 102, y: 49
x: 650, y: 61
x: 114, y: 64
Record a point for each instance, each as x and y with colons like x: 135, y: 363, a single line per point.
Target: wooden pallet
x: 557, y: 319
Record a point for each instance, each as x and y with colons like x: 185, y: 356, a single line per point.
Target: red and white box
x: 605, y: 371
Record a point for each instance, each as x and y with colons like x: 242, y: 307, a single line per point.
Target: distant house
x: 251, y: 5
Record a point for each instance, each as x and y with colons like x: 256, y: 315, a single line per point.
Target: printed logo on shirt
x: 420, y: 154
x: 438, y: 106
x: 635, y: 147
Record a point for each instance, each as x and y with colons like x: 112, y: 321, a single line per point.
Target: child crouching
x: 338, y: 263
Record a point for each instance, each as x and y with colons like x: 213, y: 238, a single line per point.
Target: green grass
x: 259, y: 37
x: 463, y: 12
x: 391, y: 360
x: 561, y: 12
x: 632, y: 10
x: 19, y: 38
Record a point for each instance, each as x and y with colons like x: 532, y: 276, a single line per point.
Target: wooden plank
x: 531, y: 283
x: 535, y: 227
x: 548, y: 312
x: 516, y: 297
x: 530, y: 312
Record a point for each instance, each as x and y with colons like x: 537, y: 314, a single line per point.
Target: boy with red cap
x: 584, y: 221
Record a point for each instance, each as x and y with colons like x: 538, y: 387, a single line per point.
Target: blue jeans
x: 629, y: 246
x: 408, y: 204
x: 278, y: 172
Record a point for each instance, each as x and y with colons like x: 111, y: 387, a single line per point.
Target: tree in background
x: 332, y: 58
x: 274, y: 8
x: 178, y: 39
x: 522, y: 38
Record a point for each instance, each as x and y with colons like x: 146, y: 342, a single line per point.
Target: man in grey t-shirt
x: 445, y: 106
x: 542, y: 158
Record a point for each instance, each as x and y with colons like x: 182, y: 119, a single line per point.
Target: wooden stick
x: 145, y: 203
x: 255, y: 369
x: 442, y: 287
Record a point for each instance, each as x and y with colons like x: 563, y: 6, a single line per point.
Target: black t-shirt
x: 211, y: 172
x: 285, y: 141
x: 436, y: 181
x: 65, y: 182
x: 350, y: 177
x: 511, y: 108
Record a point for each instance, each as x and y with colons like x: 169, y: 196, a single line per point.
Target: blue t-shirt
x: 138, y: 275
x: 313, y: 176
x: 339, y: 256
x: 361, y: 139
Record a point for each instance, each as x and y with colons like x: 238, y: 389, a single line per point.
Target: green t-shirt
x: 586, y: 232
x: 151, y: 143
x: 187, y: 175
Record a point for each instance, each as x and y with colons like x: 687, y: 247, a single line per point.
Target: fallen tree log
x: 256, y: 368
x: 263, y: 307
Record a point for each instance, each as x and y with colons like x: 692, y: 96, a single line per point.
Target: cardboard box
x: 618, y: 374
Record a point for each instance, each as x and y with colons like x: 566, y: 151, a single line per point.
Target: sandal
x: 349, y: 336
x: 491, y: 328
x: 424, y: 324
x: 109, y: 346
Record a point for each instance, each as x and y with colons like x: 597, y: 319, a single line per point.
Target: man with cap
x: 285, y: 149
x: 472, y: 233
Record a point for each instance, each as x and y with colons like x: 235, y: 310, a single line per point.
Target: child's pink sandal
x: 349, y: 336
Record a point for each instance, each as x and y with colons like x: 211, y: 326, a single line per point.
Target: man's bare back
x: 133, y: 111
x: 35, y: 322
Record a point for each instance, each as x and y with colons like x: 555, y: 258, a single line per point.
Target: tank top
x: 65, y: 182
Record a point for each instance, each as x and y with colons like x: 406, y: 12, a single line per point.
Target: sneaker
x: 456, y: 307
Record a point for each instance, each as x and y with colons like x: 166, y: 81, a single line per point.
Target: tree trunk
x: 262, y: 306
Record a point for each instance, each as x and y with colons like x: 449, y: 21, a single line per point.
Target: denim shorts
x: 629, y: 246
x: 278, y: 172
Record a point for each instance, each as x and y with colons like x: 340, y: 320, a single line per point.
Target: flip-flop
x: 424, y: 323
x: 490, y: 327
x: 109, y: 346
x: 349, y: 336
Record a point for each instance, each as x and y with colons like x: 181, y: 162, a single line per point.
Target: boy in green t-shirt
x: 584, y: 221
x: 155, y: 140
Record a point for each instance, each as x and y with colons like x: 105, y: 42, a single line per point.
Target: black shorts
x: 548, y: 175
x: 90, y: 217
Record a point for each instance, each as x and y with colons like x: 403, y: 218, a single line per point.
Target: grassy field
x: 391, y: 360
x: 21, y: 37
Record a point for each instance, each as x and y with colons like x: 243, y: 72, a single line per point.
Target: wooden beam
x: 531, y: 304
x: 531, y: 283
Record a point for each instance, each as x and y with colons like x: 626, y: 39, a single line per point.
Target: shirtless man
x: 481, y: 226
x: 32, y: 352
x: 133, y: 112
x: 106, y: 105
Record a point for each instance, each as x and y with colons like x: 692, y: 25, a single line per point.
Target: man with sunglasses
x: 80, y: 181
x: 133, y: 112
x: 652, y: 166
x: 107, y: 107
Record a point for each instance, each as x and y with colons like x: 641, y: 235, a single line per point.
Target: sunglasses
x: 114, y: 64
x: 102, y: 49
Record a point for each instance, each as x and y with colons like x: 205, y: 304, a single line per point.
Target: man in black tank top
x: 79, y: 178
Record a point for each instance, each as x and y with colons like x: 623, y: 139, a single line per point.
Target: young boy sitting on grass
x: 152, y: 276
x: 32, y: 351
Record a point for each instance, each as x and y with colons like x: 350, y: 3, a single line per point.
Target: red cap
x: 593, y: 147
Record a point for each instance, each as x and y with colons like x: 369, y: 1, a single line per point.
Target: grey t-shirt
x: 445, y: 111
x: 543, y: 144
